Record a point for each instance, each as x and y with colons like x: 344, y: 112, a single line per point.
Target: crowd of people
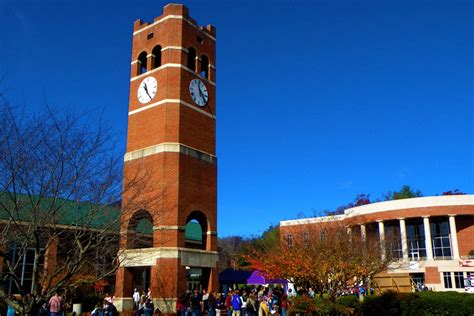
x: 259, y: 301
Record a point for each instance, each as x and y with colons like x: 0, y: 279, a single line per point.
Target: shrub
x: 386, y: 304
x: 438, y: 303
x: 349, y: 304
x: 302, y: 305
x: 422, y: 303
x: 389, y: 303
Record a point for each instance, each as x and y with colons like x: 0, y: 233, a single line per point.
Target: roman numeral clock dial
x: 198, y: 92
x: 147, y: 90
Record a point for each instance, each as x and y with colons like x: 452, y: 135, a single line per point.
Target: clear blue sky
x: 317, y: 100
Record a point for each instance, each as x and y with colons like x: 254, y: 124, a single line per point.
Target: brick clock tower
x: 168, y: 233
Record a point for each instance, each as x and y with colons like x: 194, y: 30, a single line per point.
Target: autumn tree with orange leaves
x: 325, y: 257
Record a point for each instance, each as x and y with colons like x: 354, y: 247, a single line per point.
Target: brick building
x: 434, y: 236
x: 171, y: 141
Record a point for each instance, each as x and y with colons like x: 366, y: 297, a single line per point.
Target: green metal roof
x: 59, y: 211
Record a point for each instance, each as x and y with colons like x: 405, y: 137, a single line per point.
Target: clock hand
x: 200, y: 92
x: 146, y: 90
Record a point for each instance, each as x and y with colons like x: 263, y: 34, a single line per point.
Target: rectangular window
x: 23, y: 258
x: 459, y: 280
x: 440, y: 239
x: 305, y: 239
x: 416, y: 240
x: 322, y: 235
x: 289, y: 240
x: 418, y: 279
x: 448, y: 283
x: 393, y: 243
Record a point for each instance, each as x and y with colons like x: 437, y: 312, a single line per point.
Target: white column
x: 428, y: 242
x: 454, y: 236
x: 349, y: 232
x: 403, y: 235
x: 382, y: 238
x: 362, y: 232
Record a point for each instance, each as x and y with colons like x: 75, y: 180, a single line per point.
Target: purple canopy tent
x: 258, y: 279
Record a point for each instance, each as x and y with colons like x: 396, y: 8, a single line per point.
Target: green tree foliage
x: 405, y: 192
x: 269, y: 239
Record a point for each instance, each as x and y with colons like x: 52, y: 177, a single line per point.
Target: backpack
x: 250, y: 307
x: 236, y: 302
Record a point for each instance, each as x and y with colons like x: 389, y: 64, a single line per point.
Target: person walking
x: 284, y: 304
x: 136, y: 298
x: 228, y: 302
x: 55, y: 305
x: 181, y: 306
x: 264, y: 310
x: 211, y: 304
x: 236, y: 303
x: 251, y: 307
x: 244, y: 298
x: 205, y: 297
x: 149, y: 308
x: 10, y: 310
x: 196, y: 303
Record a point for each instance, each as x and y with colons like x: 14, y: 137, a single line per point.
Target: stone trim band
x: 177, y: 101
x: 169, y: 227
x: 148, y: 256
x: 170, y: 147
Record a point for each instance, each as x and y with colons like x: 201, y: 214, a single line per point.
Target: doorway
x: 141, y: 278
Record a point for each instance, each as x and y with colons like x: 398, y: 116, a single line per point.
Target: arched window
x: 192, y: 59
x: 195, y: 234
x: 141, y: 63
x: 156, y: 52
x: 204, y: 72
x: 140, y: 230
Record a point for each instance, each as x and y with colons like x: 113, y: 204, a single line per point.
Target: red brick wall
x: 123, y: 282
x: 465, y: 229
x: 51, y: 257
x: 432, y: 275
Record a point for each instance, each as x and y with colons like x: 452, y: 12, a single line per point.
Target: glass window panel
x: 459, y: 280
x: 448, y: 284
x: 444, y: 228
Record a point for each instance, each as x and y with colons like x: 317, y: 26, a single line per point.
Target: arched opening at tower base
x: 195, y: 231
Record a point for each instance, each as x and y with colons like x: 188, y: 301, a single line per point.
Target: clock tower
x: 168, y: 233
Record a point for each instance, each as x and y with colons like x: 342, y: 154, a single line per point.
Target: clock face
x: 147, y: 90
x: 198, y: 92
